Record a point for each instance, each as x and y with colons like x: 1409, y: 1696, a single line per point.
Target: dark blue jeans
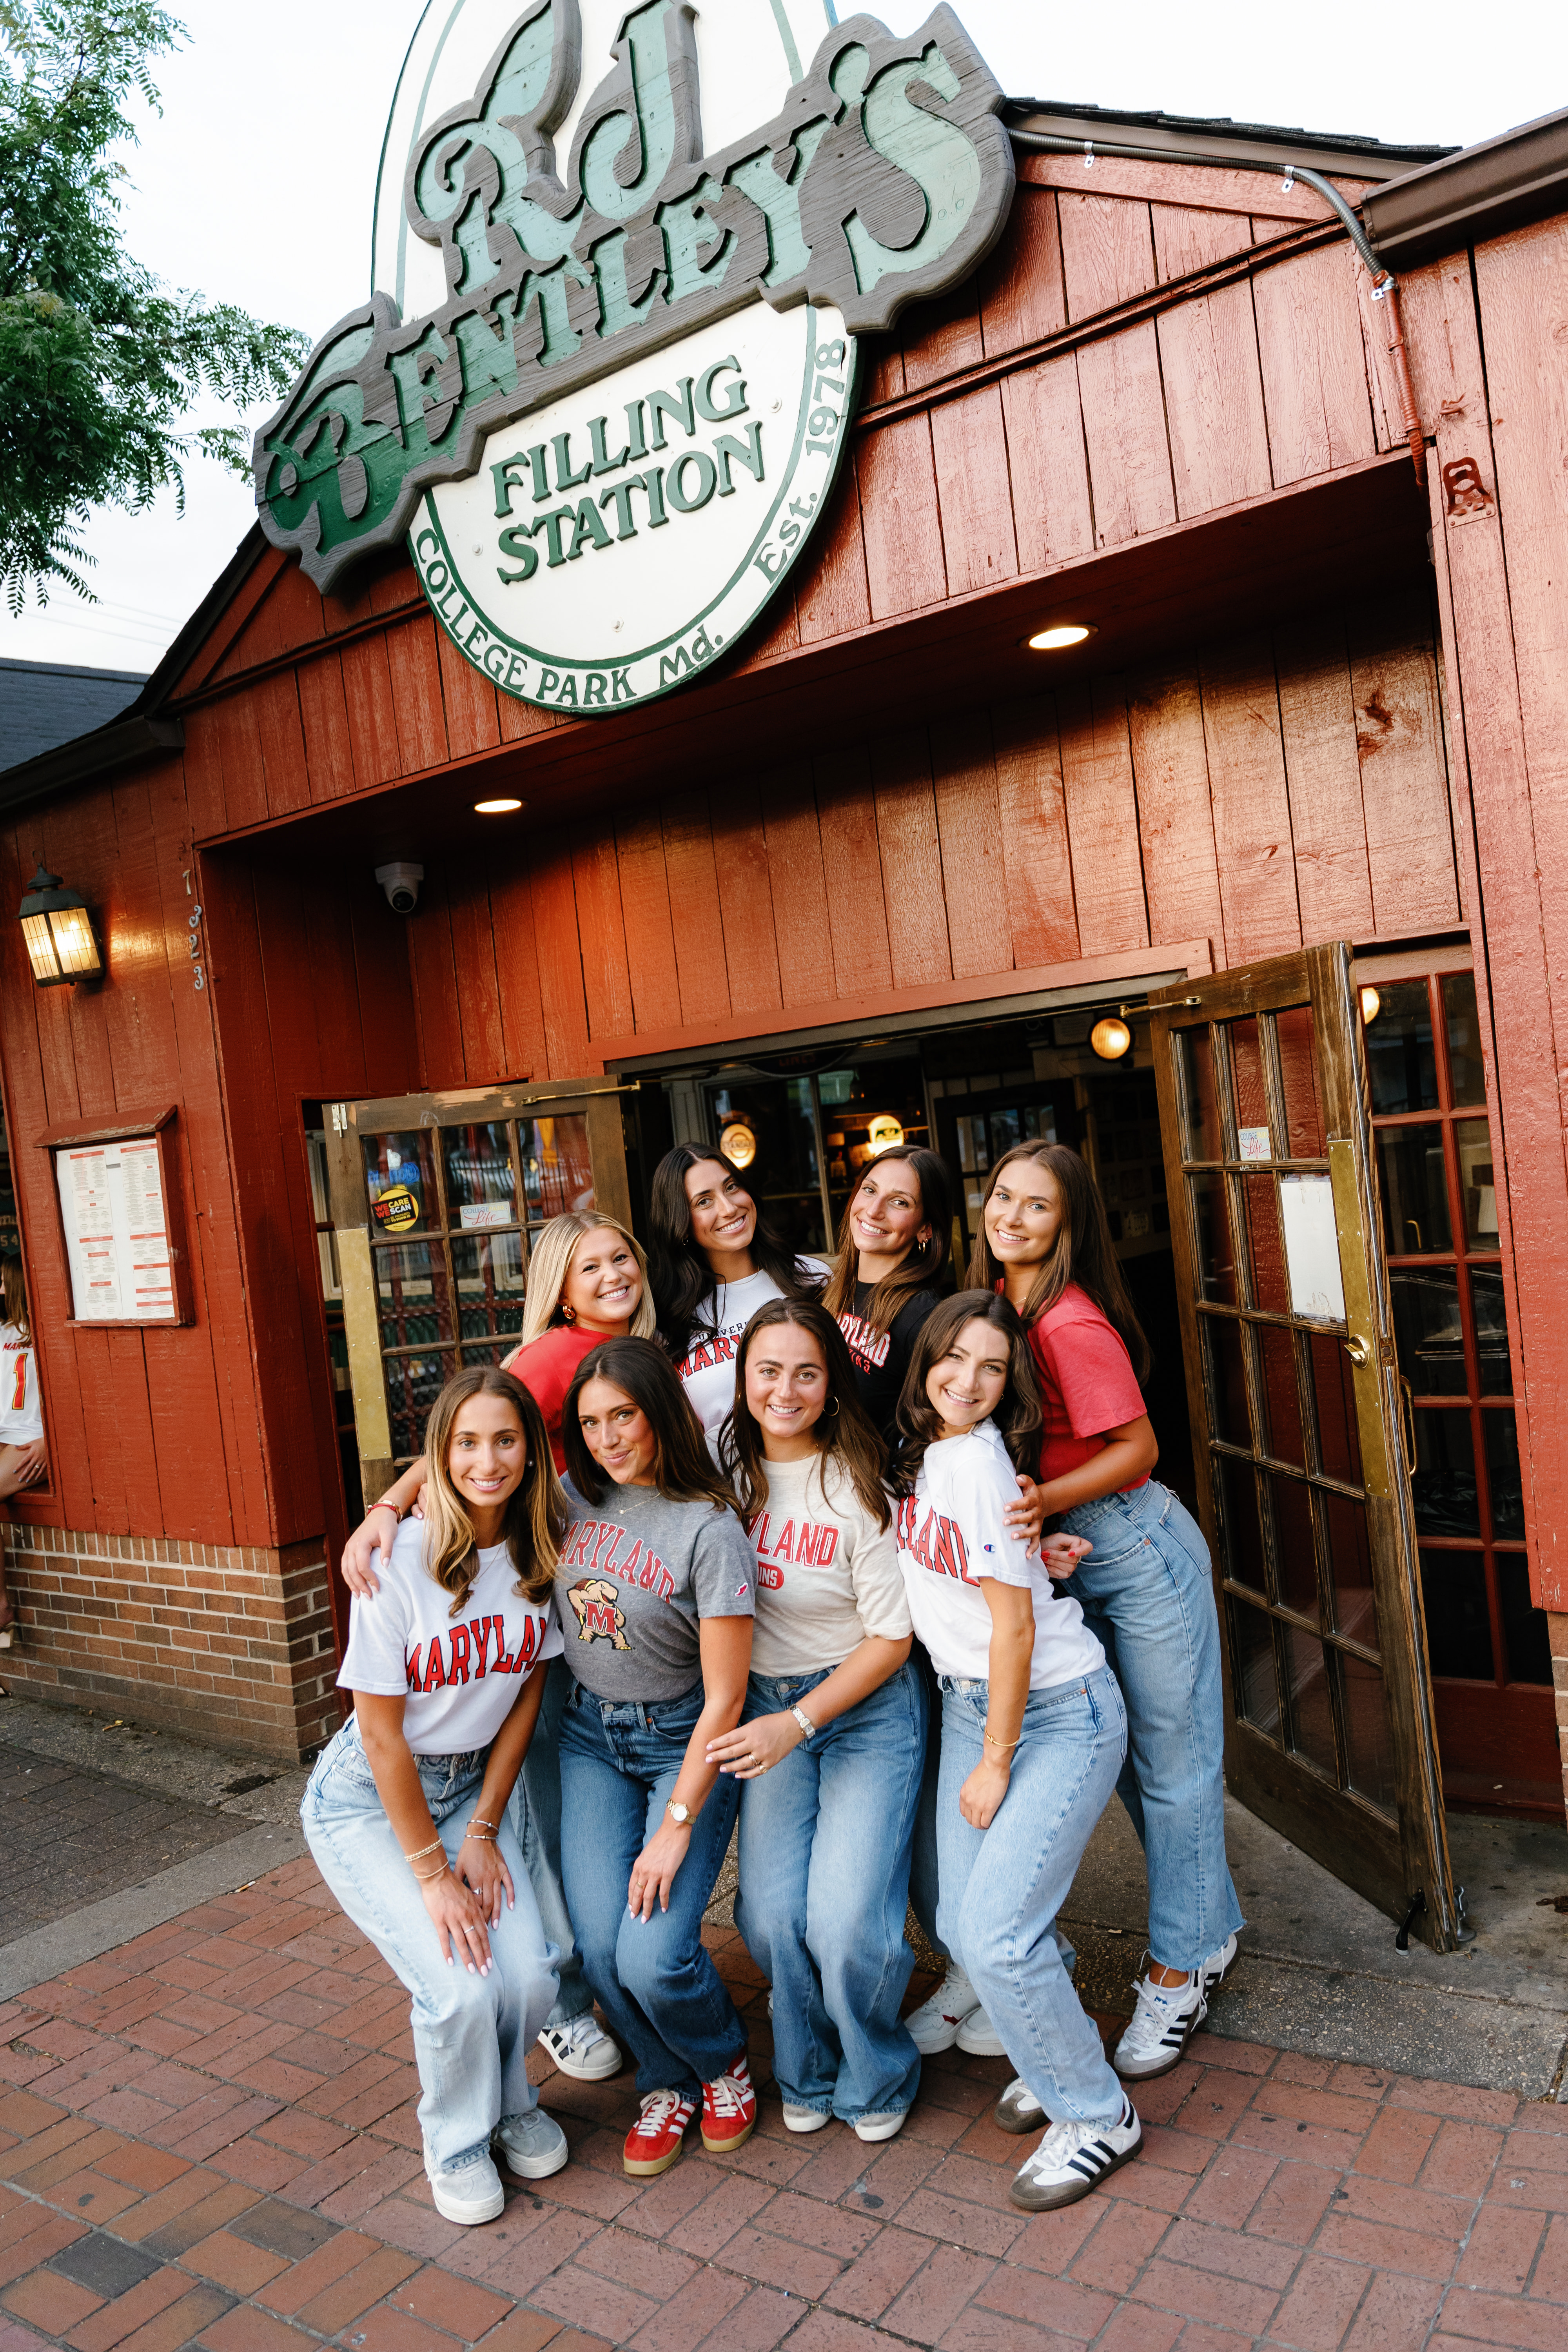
x: 653, y: 1979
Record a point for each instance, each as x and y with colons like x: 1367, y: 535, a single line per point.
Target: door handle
x: 1358, y: 1351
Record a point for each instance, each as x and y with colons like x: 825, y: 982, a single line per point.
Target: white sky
x: 272, y: 107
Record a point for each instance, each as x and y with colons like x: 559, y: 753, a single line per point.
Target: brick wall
x: 231, y: 1642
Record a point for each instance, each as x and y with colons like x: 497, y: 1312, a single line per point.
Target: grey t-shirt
x: 634, y: 1575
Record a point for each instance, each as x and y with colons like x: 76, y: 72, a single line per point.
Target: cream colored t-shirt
x: 827, y: 1576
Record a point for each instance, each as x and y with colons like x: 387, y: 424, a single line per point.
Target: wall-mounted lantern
x: 1111, y: 1037
x: 62, y: 942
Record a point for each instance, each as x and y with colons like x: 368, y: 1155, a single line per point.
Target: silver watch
x: 807, y: 1728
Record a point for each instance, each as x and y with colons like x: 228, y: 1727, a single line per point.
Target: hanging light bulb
x: 1111, y: 1037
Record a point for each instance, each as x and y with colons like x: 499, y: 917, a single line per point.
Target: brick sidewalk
x: 210, y: 2140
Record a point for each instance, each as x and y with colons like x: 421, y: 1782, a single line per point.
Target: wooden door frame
x: 1262, y: 1775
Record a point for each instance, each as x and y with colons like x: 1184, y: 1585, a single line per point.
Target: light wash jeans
x: 472, y: 2034
x: 1002, y: 1887
x: 824, y: 1880
x: 654, y: 1982
x: 536, y: 1822
x: 1147, y: 1591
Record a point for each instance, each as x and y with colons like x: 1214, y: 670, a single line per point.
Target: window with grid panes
x: 1439, y: 1207
x: 453, y: 1211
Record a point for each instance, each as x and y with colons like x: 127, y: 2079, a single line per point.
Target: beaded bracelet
x: 426, y: 1878
x: 434, y: 1847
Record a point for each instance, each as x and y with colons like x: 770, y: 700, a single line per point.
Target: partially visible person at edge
x: 1145, y: 1587
x: 1033, y: 1734
x: 829, y: 1748
x: 587, y: 1281
x: 713, y: 1259
x: 406, y: 1812
x: 24, y: 1455
x: 654, y: 1588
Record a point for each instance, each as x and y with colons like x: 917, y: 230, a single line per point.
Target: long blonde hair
x: 14, y: 1288
x: 534, y: 1527
x: 550, y: 1261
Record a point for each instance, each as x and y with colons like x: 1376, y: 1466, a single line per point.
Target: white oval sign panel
x: 622, y: 257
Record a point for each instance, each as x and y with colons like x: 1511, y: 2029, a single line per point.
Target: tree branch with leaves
x: 100, y: 362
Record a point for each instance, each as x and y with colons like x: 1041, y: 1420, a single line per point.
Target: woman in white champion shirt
x: 1033, y: 1729
x: 406, y: 1809
x: 831, y: 1742
x: 713, y: 1260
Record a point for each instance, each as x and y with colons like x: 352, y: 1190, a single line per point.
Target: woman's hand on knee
x: 480, y: 1863
x: 459, y: 1923
x: 653, y: 1871
x: 753, y: 1747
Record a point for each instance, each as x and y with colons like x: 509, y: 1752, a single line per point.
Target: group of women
x: 885, y: 1574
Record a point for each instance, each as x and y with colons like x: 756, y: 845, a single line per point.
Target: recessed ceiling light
x: 1064, y: 632
x: 497, y: 808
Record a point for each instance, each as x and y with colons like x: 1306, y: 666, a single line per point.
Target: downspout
x: 1384, y: 287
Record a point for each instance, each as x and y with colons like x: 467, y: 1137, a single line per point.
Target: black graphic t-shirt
x: 882, y: 1357
x: 635, y: 1574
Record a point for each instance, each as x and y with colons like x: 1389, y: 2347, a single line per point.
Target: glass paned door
x: 437, y: 1203
x: 1303, y: 1486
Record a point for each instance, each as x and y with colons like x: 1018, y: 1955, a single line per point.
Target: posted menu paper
x: 117, y: 1235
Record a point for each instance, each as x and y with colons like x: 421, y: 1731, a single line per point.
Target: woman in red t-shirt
x: 587, y: 1282
x: 1146, y: 1586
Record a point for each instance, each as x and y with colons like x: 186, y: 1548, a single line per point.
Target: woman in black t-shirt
x: 892, y: 1250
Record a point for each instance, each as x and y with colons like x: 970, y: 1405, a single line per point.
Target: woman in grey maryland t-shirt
x: 654, y: 1585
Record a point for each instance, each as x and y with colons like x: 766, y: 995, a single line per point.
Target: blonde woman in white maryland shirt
x: 406, y: 1809
x: 831, y: 1743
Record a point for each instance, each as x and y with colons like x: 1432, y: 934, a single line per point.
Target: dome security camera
x: 401, y: 883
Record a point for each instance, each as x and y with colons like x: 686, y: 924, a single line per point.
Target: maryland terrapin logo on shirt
x: 600, y: 1617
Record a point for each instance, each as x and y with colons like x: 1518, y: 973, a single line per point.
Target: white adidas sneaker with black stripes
x: 1073, y: 2158
x: 1165, y: 2020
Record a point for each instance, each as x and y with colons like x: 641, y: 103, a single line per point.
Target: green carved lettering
x: 705, y: 399
x: 591, y: 526
x: 620, y: 494
x: 516, y: 541
x: 747, y: 453
x: 603, y: 462
x: 676, y: 403
x: 566, y: 479
x: 507, y: 476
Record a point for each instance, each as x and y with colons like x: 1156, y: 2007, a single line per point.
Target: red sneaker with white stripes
x: 656, y: 2139
x: 729, y: 2108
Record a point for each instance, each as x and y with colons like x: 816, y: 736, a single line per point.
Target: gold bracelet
x: 426, y: 1878
x: 1006, y: 1745
x: 434, y: 1847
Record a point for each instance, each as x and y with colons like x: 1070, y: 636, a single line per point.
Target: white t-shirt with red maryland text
x: 952, y: 1533
x: 827, y: 1575
x: 460, y: 1675
x: 21, y: 1414
x: 707, y: 1371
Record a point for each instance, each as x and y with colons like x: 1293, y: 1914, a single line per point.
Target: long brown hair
x: 1083, y: 1252
x: 683, y: 1281
x: 534, y: 1527
x: 14, y: 1289
x: 683, y: 1469
x: 845, y: 1428
x: 1018, y: 1417
x: 922, y: 1269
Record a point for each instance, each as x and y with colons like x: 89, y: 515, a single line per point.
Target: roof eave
x: 1474, y: 193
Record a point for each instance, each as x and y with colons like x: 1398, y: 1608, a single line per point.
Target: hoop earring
x: 834, y: 1415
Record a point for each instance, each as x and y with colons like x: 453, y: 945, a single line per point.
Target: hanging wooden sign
x: 615, y: 425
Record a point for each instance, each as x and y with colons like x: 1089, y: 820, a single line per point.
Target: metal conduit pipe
x: 1384, y: 287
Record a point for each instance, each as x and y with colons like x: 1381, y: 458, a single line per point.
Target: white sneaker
x: 534, y: 2144
x: 471, y: 2193
x: 937, y: 2023
x: 1164, y: 2022
x: 978, y: 2038
x: 883, y: 2126
x: 1217, y: 1967
x: 581, y: 2048
x: 805, y: 2119
x: 1073, y: 2158
x: 1017, y: 2110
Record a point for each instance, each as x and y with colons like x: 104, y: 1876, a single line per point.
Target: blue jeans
x: 1002, y: 1887
x: 536, y: 1805
x: 824, y: 1881
x: 1147, y: 1589
x: 472, y: 2034
x: 654, y: 1982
